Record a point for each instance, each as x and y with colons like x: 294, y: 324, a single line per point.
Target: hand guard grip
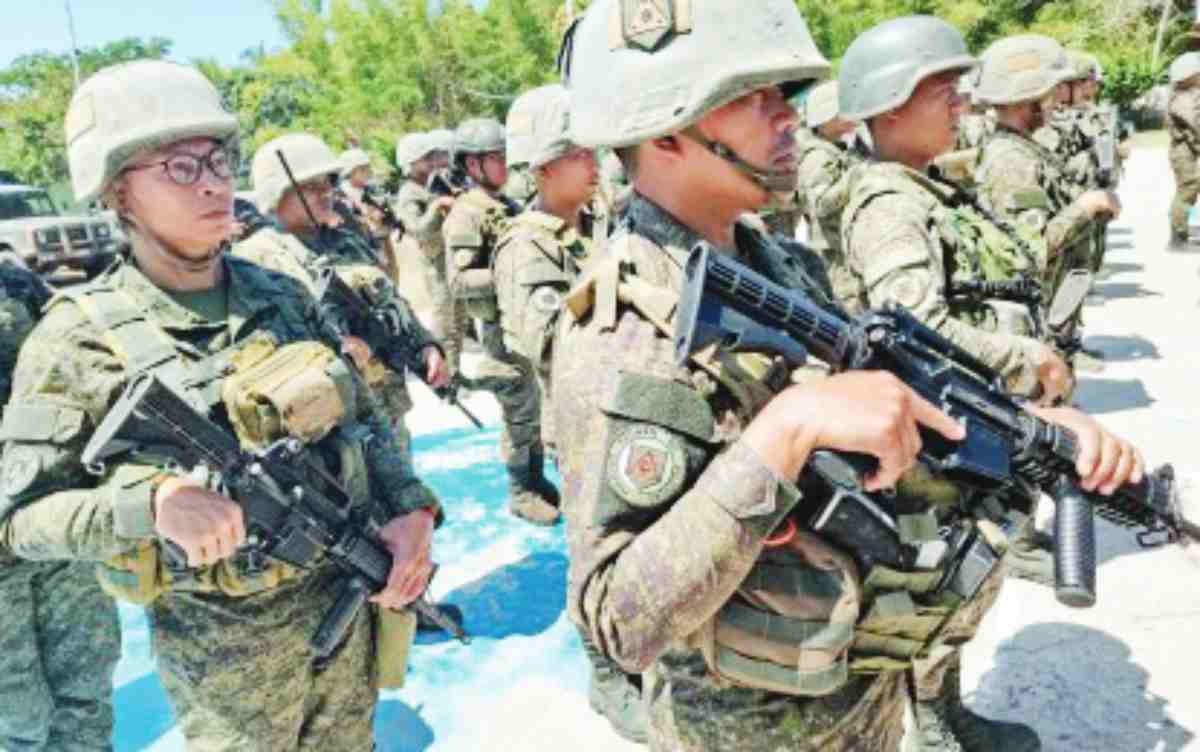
x: 1074, y: 548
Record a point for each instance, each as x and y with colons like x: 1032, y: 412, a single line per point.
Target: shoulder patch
x: 647, y: 465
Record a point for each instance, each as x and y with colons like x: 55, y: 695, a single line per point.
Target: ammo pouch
x: 790, y: 626
x: 140, y: 576
x: 478, y: 294
x: 302, y: 390
x: 394, y: 635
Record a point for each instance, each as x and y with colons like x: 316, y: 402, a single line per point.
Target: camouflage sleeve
x: 1185, y: 111
x: 66, y: 379
x: 829, y: 186
x: 266, y: 249
x: 661, y: 528
x: 466, y: 263
x: 1010, y: 185
x: 901, y: 263
x: 529, y: 290
x: 389, y: 461
x: 421, y: 218
x: 1049, y: 137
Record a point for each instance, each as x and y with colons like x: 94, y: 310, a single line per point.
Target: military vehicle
x: 35, y: 232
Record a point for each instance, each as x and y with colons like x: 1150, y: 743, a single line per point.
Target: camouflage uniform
x: 692, y: 487
x: 974, y: 128
x: 60, y: 635
x: 1183, y: 125
x: 825, y: 176
x: 238, y: 669
x: 423, y: 234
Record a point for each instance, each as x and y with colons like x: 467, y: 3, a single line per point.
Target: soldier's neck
x: 565, y: 208
x: 171, y: 270
x: 707, y: 219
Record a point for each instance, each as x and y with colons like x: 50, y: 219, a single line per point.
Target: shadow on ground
x: 1122, y: 291
x: 1080, y: 689
x: 400, y: 728
x: 144, y: 713
x: 1124, y: 349
x: 522, y: 598
x: 1098, y: 396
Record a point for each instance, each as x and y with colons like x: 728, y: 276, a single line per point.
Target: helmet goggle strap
x: 771, y: 181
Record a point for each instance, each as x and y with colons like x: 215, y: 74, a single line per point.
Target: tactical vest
x: 983, y: 256
x: 805, y: 618
x: 473, y: 251
x: 268, y: 374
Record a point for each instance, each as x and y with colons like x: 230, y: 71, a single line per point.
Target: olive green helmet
x: 136, y: 106
x: 821, y: 104
x: 412, y: 147
x: 538, y: 127
x: 1185, y: 66
x: 883, y: 66
x: 641, y: 69
x: 1021, y: 68
x: 308, y: 157
x: 478, y: 136
x: 352, y: 159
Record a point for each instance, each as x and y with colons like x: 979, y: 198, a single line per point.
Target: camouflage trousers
x: 450, y: 320
x: 1187, y: 188
x: 59, y: 643
x: 513, y: 380
x: 241, y: 676
x: 867, y: 715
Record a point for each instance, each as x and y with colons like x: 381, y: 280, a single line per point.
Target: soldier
x: 1023, y: 182
x: 1183, y: 124
x: 357, y: 201
x: 974, y: 127
x: 61, y: 637
x: 912, y: 241
x: 471, y: 230
x: 825, y: 161
x: 231, y: 632
x: 419, y: 156
x: 680, y: 478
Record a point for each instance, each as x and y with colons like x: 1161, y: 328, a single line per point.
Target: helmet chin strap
x: 771, y: 181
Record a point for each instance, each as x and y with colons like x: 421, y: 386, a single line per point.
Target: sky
x: 199, y: 28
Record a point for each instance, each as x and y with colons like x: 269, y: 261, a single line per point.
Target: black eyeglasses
x: 186, y: 169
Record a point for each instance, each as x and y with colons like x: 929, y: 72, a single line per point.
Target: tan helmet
x: 352, y: 159
x: 1084, y: 66
x: 441, y: 139
x: 411, y: 147
x: 478, y: 136
x: 537, y: 128
x: 821, y: 104
x: 135, y: 106
x: 1021, y: 68
x: 641, y: 69
x: 308, y: 157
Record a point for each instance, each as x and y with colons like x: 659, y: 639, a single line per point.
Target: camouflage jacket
x: 903, y: 247
x: 471, y: 230
x: 974, y: 128
x: 666, y: 507
x: 824, y: 182
x: 70, y: 373
x: 1183, y: 125
x: 1071, y: 135
x: 1022, y: 181
x: 537, y: 259
x: 414, y: 205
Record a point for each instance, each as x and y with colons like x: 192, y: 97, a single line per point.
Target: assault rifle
x: 294, y: 510
x: 1006, y: 448
x: 375, y: 197
x: 384, y: 327
x: 448, y: 182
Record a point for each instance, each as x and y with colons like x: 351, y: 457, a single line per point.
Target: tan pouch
x: 301, y: 390
x: 394, y: 634
x: 135, y: 576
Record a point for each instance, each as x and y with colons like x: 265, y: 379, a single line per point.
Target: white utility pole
x: 75, y: 45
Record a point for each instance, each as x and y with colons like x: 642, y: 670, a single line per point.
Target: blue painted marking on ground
x: 508, y: 577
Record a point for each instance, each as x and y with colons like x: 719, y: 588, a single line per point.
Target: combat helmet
x: 638, y: 70
x: 411, y: 147
x: 441, y: 139
x: 821, y: 104
x: 136, y: 106
x: 1083, y: 66
x: 537, y: 127
x: 352, y: 159
x: 1021, y: 68
x: 884, y: 65
x: 478, y: 136
x: 1185, y: 66
x: 308, y: 157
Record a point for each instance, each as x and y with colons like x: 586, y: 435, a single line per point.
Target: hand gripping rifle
x: 385, y: 327
x: 295, y: 511
x: 1006, y: 447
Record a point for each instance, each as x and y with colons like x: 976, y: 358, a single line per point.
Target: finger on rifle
x: 193, y: 551
x: 1139, y: 467
x: 1110, y: 455
x: 928, y: 414
x: 1126, y: 462
x: 1088, y: 459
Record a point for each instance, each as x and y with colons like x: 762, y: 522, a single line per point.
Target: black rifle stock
x: 1006, y: 447
x: 382, y: 327
x: 294, y: 511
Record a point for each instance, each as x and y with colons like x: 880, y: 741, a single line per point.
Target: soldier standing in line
x: 419, y: 156
x: 231, y: 632
x: 59, y: 633
x: 1183, y: 125
x: 680, y: 479
x: 358, y: 213
x: 1023, y: 182
x: 825, y: 162
x: 537, y: 260
x: 471, y: 230
x: 913, y: 241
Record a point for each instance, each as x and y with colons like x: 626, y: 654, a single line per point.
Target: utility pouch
x: 137, y: 576
x: 394, y: 634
